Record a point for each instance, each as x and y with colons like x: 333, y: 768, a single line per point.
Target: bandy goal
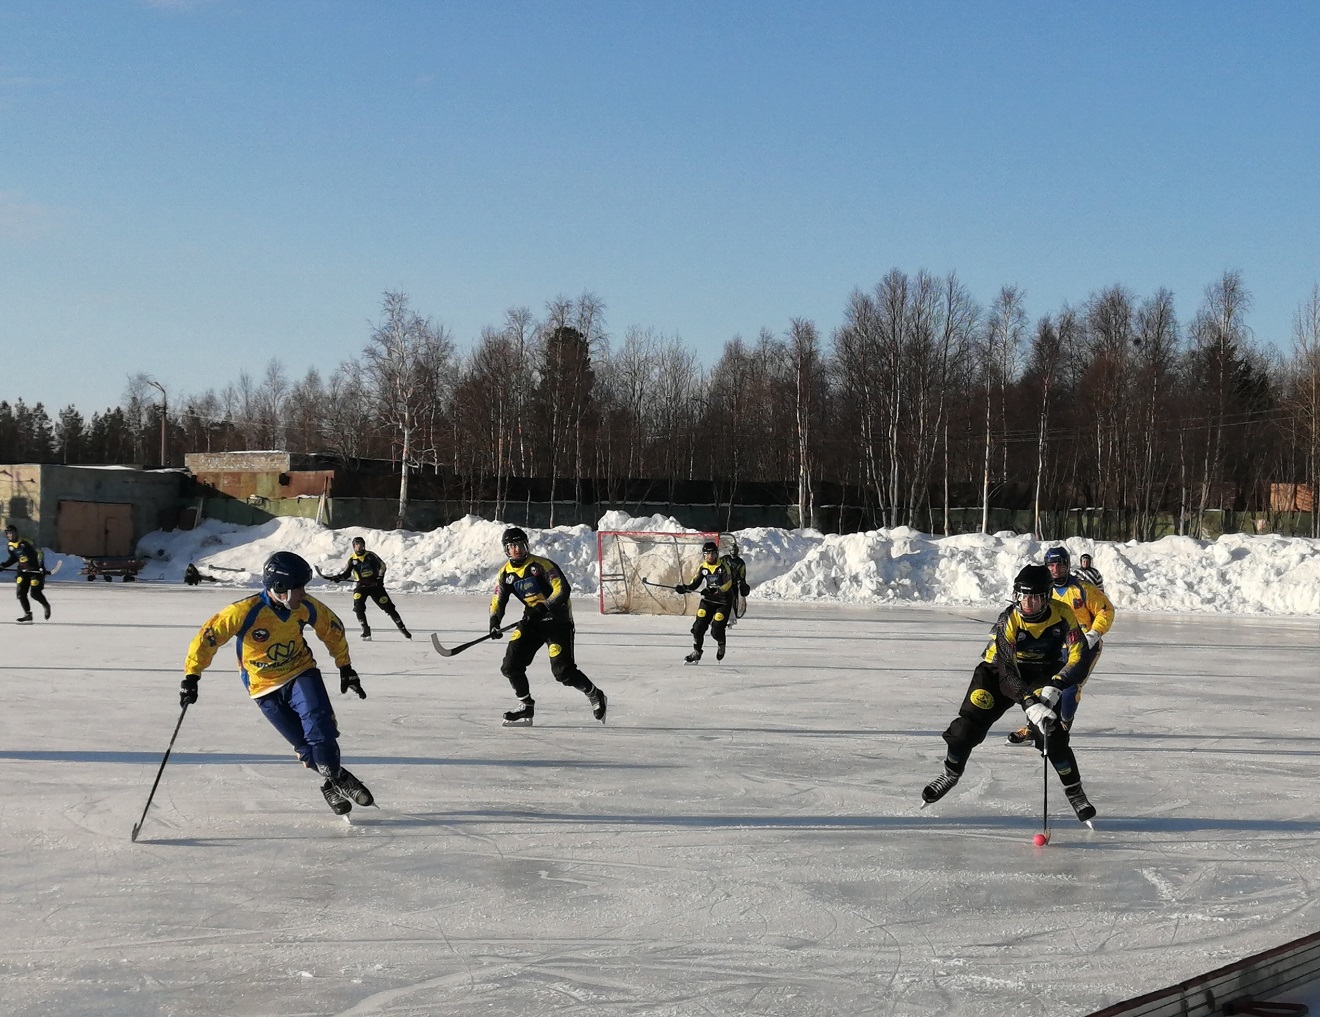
x: 628, y: 560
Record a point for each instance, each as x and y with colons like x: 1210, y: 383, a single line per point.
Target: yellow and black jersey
x: 534, y: 581
x: 713, y: 582
x: 271, y: 648
x: 366, y: 569
x: 1094, y: 610
x: 1049, y: 648
x: 737, y: 568
x: 25, y: 557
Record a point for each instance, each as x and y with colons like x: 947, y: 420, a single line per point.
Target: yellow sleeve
x: 501, y: 596
x: 330, y: 630
x: 213, y: 635
x: 1102, y: 609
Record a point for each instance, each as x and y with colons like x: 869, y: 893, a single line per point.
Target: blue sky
x: 192, y: 187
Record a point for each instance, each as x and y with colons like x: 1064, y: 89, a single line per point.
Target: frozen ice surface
x: 741, y: 838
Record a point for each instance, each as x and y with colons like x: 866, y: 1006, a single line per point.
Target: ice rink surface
x: 741, y: 838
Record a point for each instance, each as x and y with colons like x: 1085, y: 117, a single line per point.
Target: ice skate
x: 350, y: 787
x: 366, y: 634
x: 47, y: 610
x: 1022, y: 736
x: 404, y: 630
x: 522, y: 716
x: 939, y: 787
x: 719, y: 651
x: 1080, y: 803
x: 597, y: 699
x: 26, y: 618
x: 693, y: 657
x: 339, y: 805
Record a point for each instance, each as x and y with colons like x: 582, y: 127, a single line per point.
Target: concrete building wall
x: 31, y: 494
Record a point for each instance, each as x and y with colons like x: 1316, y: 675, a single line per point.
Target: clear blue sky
x: 192, y: 188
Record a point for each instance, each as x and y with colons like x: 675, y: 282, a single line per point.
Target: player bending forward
x: 1034, y: 653
x: 280, y: 673
x: 547, y: 621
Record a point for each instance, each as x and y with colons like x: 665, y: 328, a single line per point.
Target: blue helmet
x: 285, y: 571
x: 1059, y: 555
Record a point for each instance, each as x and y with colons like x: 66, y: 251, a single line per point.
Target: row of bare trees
x: 921, y: 403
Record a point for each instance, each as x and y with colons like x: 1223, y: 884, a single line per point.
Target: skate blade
x: 517, y: 723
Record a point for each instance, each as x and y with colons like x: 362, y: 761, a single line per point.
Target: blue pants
x: 301, y: 712
x: 1068, y: 704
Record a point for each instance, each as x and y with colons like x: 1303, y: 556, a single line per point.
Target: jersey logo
x: 282, y: 653
x: 260, y: 635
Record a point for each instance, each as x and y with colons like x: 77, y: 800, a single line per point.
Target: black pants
x: 530, y: 636
x: 984, y: 704
x: 378, y: 595
x: 29, y: 582
x: 713, y: 616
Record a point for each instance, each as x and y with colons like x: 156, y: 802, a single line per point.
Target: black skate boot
x: 598, y: 701
x: 693, y: 657
x: 404, y: 629
x: 350, y: 787
x: 522, y: 716
x: 719, y: 651
x: 366, y: 633
x: 26, y: 618
x: 940, y: 786
x: 47, y: 610
x: 1022, y: 736
x: 339, y: 805
x: 1080, y: 803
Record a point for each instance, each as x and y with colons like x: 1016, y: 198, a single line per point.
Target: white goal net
x: 638, y: 571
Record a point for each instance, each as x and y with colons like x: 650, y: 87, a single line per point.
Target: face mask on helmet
x: 1058, y: 561
x: 285, y: 575
x: 1031, y: 591
x: 359, y: 545
x: 710, y: 550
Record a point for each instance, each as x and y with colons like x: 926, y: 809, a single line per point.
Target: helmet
x: 1033, y: 580
x: 710, y: 546
x: 514, y: 537
x: 1058, y: 555
x: 359, y: 543
x: 11, y: 532
x: 733, y: 545
x: 285, y: 571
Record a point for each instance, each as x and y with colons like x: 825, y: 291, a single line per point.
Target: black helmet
x: 360, y: 540
x: 514, y: 537
x: 1032, y: 579
x: 733, y: 545
x: 1058, y: 555
x: 11, y: 531
x: 710, y: 546
x: 285, y: 571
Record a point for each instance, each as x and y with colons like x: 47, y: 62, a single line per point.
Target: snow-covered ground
x: 1235, y: 574
x: 741, y: 838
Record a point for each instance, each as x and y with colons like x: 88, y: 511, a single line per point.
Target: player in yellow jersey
x: 1095, y: 616
x: 715, y: 582
x: 547, y: 621
x: 30, y: 570
x: 1033, y: 655
x: 280, y: 673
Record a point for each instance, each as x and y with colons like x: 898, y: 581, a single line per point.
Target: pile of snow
x: 1237, y: 573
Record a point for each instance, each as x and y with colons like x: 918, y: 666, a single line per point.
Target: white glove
x: 1091, y: 638
x: 1050, y: 696
x: 1041, y: 717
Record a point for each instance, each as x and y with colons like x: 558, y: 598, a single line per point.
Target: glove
x: 539, y: 612
x: 188, y: 690
x: 348, y: 679
x: 744, y: 589
x: 1050, y: 696
x: 1041, y: 717
x: 680, y: 588
x: 1092, y: 638
x: 495, y: 632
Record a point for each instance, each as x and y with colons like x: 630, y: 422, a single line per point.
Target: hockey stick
x: 221, y: 568
x: 1045, y: 784
x: 435, y: 641
x: 159, y: 773
x: 659, y: 586
x: 328, y: 579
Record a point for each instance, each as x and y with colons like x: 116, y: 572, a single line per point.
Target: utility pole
x: 164, y: 410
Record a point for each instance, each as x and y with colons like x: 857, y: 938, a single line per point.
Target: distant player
x: 29, y: 570
x: 738, y: 571
x: 715, y: 584
x: 368, y: 571
x: 1089, y: 573
x: 547, y: 621
x: 280, y: 673
x: 1034, y: 655
x: 1095, y: 616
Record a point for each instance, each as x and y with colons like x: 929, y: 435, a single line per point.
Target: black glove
x: 744, y: 589
x: 188, y: 690
x: 348, y: 679
x: 495, y: 632
x: 680, y: 588
x: 539, y: 612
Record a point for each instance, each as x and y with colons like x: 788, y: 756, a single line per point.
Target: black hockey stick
x: 159, y: 772
x: 660, y: 586
x: 328, y: 579
x: 449, y: 652
x: 1045, y: 783
x: 221, y: 568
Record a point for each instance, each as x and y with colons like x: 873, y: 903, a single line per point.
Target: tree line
x: 923, y: 401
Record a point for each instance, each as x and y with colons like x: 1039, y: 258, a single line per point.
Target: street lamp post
x: 164, y: 410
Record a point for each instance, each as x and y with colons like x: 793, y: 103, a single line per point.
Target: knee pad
x: 554, y: 650
x: 719, y: 616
